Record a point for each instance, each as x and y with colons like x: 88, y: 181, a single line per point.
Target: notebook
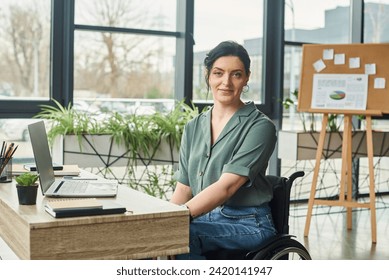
x: 53, y: 187
x: 108, y: 208
x: 73, y: 204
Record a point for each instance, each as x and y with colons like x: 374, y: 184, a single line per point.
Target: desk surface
x: 153, y: 228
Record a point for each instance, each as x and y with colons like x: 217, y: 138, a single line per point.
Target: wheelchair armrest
x: 296, y: 175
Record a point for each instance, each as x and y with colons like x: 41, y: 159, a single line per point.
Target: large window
x: 25, y: 67
x: 220, y: 20
x: 319, y: 25
x: 316, y: 21
x: 121, y: 52
x: 376, y: 30
x: 25, y: 49
x: 115, y: 65
x: 376, y: 27
x: 139, y: 14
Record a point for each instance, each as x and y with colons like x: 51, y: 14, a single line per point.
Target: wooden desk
x: 155, y: 228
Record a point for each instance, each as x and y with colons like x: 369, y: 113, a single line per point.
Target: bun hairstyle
x: 226, y: 48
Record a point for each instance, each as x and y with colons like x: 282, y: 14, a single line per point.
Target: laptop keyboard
x: 74, y: 187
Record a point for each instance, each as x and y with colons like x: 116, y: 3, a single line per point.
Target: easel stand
x: 345, y: 192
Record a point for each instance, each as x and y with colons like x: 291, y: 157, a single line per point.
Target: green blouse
x: 243, y: 147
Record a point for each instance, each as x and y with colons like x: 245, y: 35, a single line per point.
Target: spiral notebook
x: 63, y: 188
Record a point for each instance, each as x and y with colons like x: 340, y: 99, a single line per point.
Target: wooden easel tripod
x: 345, y: 192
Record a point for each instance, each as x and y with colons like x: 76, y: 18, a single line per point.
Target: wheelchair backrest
x: 280, y: 203
x: 281, y: 200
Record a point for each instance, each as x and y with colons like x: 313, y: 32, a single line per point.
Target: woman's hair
x: 226, y: 48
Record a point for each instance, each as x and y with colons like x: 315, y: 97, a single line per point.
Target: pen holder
x: 5, y: 170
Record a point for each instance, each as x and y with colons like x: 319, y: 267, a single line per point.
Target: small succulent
x: 27, y: 179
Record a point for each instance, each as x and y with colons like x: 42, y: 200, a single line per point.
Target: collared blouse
x: 244, y: 148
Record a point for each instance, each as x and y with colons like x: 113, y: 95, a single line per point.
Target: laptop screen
x: 43, y: 160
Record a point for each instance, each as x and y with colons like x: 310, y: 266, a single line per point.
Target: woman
x: 224, y: 154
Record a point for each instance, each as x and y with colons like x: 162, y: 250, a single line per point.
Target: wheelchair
x: 282, y: 246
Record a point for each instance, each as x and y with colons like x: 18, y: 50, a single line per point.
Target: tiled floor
x: 329, y: 238
x: 5, y: 252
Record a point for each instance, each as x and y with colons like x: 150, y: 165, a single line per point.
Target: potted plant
x: 27, y: 187
x: 138, y: 150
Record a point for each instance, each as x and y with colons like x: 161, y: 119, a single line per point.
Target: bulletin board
x: 316, y: 59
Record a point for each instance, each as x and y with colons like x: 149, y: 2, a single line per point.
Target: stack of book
x: 62, y: 208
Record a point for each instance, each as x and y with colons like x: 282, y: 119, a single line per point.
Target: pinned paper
x: 340, y: 58
x: 354, y: 62
x: 328, y: 54
x: 370, y: 69
x: 319, y: 65
x: 379, y: 83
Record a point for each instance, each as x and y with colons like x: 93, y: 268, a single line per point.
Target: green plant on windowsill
x: 140, y: 132
x: 142, y: 135
x: 333, y: 120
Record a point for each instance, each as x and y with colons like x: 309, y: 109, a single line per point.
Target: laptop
x: 53, y: 187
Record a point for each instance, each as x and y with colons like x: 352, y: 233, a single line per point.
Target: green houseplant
x: 27, y: 188
x: 136, y: 131
x: 146, y: 145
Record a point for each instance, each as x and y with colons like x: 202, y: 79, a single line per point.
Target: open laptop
x: 62, y: 187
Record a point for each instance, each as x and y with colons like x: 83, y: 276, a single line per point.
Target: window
x: 123, y: 65
x: 121, y: 50
x: 316, y: 21
x: 25, y: 49
x: 319, y: 25
x: 25, y: 67
x: 376, y: 29
x: 220, y: 20
x: 139, y: 14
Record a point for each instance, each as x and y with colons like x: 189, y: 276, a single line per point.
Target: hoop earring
x: 245, y: 88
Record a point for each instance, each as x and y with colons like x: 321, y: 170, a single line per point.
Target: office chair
x: 282, y: 246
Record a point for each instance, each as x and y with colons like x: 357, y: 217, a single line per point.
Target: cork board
x: 376, y: 55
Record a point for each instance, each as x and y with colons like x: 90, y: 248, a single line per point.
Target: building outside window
x: 319, y: 26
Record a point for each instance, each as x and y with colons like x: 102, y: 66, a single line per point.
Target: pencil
x: 9, y: 150
x: 3, y: 152
x: 2, y: 149
x: 14, y: 150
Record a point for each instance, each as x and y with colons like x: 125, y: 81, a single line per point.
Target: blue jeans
x: 229, y: 228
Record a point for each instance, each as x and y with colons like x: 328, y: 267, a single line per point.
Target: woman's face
x: 227, y: 79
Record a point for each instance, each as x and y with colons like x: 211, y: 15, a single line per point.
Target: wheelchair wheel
x: 289, y: 249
